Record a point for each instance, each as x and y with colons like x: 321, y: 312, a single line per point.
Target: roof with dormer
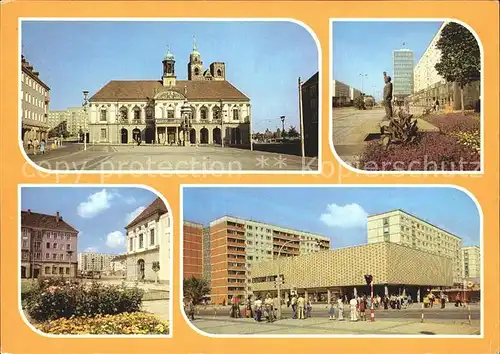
x: 44, y: 221
x: 196, y: 90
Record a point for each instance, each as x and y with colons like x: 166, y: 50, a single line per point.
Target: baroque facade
x: 204, y: 109
x: 48, y: 246
x: 148, y: 244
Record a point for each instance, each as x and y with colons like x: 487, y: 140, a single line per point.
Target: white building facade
x: 341, y: 94
x: 425, y: 74
x: 205, y: 109
x: 400, y: 227
x: 148, y: 245
x: 471, y: 256
x: 35, y: 98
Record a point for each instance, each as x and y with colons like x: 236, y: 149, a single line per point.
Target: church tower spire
x: 169, y: 77
x: 195, y: 65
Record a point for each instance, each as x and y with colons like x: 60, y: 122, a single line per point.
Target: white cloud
x: 130, y: 200
x: 132, y: 215
x: 115, y: 239
x: 90, y: 249
x: 95, y: 204
x: 347, y: 216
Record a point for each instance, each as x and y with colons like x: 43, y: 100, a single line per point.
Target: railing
x: 169, y: 120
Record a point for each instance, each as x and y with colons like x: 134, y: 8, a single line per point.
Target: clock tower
x: 169, y: 77
x: 195, y: 65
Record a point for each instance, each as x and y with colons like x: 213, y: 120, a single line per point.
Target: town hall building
x: 204, y: 109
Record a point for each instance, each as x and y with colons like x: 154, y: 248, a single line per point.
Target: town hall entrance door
x: 124, y: 133
x: 140, y: 269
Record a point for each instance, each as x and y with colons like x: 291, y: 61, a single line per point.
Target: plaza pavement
x: 324, y: 326
x: 352, y: 127
x: 169, y: 159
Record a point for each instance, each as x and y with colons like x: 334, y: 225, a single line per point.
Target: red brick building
x: 192, y: 250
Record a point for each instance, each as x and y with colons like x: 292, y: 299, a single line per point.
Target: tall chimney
x: 57, y: 217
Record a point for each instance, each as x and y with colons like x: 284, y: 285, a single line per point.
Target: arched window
x: 137, y: 113
x: 103, y: 116
x: 123, y: 114
x: 204, y: 113
x: 219, y: 72
x: 216, y: 112
x: 196, y: 71
x: 235, y: 114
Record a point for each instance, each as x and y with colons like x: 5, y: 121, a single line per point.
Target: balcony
x: 169, y: 121
x: 47, y: 99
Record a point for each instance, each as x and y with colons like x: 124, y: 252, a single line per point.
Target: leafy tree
x: 278, y: 133
x: 195, y: 289
x: 292, y: 132
x: 359, y: 102
x: 59, y: 130
x: 284, y: 134
x: 460, y: 56
x: 156, y: 269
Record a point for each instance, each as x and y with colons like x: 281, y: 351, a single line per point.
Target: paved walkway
x: 170, y: 159
x: 160, y: 308
x: 353, y: 127
x: 324, y: 326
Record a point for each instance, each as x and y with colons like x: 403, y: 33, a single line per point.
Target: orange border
x: 483, y: 16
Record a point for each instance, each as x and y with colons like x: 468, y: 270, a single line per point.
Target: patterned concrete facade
x: 389, y: 263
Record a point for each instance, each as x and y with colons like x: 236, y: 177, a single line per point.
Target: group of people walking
x: 36, y: 146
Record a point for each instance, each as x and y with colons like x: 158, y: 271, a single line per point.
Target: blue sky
x: 100, y: 214
x: 339, y: 213
x: 366, y: 47
x: 263, y: 59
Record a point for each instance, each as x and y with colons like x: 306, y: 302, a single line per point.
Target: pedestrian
x: 331, y: 311
x: 301, y: 302
x: 35, y: 146
x: 258, y: 309
x: 276, y: 305
x: 288, y: 301
x: 353, y: 308
x: 386, y: 302
x: 340, y: 309
x: 362, y: 308
x: 409, y: 300
x: 189, y: 309
x: 294, y: 307
x: 42, y: 147
x: 308, y: 308
x: 268, y: 307
x: 443, y: 301
x: 249, y: 312
x: 30, y: 145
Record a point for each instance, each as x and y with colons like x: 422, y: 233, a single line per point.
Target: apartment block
x: 96, y: 262
x: 341, y: 94
x: 398, y: 226
x: 471, y: 256
x: 236, y: 244
x: 402, y: 68
x: 35, y: 98
x: 73, y: 116
x: 193, y: 250
x: 206, y: 254
x: 48, y: 246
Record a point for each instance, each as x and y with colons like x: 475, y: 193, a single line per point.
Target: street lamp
x: 362, y: 76
x: 278, y: 278
x: 85, y: 104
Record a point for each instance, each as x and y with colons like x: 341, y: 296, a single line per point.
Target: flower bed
x: 124, y: 323
x: 51, y: 299
x: 455, y: 148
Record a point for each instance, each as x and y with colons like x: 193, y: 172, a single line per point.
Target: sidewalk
x: 324, y: 326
